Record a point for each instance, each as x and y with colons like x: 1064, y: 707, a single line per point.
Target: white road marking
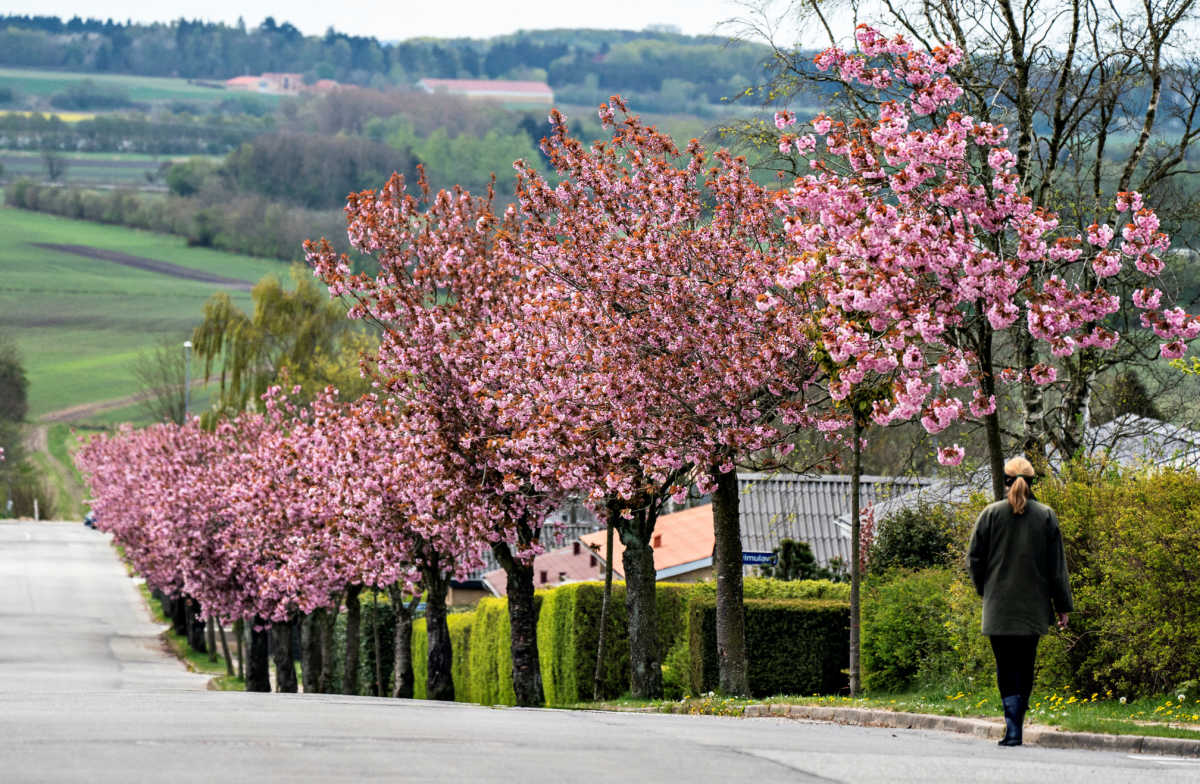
x: 1187, y: 763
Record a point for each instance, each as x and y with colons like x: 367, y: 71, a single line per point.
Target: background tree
x: 299, y: 329
x: 1071, y: 80
x: 795, y: 561
x: 160, y: 373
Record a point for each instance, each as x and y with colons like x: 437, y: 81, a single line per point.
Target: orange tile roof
x: 679, y: 538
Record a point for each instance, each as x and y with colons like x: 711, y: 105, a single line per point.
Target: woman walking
x: 1019, y: 567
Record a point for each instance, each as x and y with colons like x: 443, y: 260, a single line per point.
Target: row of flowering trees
x: 640, y: 324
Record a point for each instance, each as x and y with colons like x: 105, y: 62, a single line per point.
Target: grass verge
x: 1165, y: 716
x: 196, y: 662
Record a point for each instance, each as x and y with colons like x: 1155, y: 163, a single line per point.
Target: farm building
x: 492, y: 89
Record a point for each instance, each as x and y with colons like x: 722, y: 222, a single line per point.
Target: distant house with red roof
x: 278, y: 84
x: 570, y: 564
x: 492, y: 89
x: 682, y: 541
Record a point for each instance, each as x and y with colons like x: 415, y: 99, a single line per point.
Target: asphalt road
x: 86, y: 694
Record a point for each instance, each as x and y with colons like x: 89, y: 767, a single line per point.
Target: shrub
x: 1133, y: 548
x: 913, y: 538
x: 794, y: 646
x: 906, y: 639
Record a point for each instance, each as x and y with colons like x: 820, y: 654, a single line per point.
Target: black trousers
x: 1015, y: 657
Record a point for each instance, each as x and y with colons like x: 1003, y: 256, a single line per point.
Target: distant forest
x: 659, y: 70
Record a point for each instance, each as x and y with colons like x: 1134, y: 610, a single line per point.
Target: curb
x: 1045, y: 737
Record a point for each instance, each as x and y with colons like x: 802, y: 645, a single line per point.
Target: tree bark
x: 325, y: 684
x: 353, y: 624
x: 378, y: 686
x: 210, y: 639
x: 177, y: 610
x: 733, y: 678
x: 239, y: 631
x: 258, y: 671
x: 311, y: 664
x: 225, y: 650
x: 195, y: 626
x: 522, y: 619
x: 281, y: 652
x: 855, y: 569
x: 991, y: 422
x: 402, y: 674
x: 613, y: 511
x: 645, y: 663
x: 439, y: 684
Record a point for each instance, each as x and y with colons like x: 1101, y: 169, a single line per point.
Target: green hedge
x: 569, y: 634
x: 794, y: 646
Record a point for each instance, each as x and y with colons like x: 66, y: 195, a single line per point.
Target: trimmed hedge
x: 569, y: 634
x: 794, y: 646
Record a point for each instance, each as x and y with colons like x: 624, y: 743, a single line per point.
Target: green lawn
x: 44, y: 83
x: 81, y: 322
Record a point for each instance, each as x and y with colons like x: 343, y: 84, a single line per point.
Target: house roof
x: 681, y: 539
x: 561, y: 565
x: 500, y: 88
x: 807, y: 508
x: 1135, y: 440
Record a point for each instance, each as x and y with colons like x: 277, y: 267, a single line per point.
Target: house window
x: 576, y: 548
x: 543, y: 575
x: 593, y: 560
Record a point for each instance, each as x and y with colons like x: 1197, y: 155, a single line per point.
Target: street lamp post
x: 187, y: 379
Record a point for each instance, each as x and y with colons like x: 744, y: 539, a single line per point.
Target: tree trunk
x: 210, y: 640
x: 377, y: 686
x: 613, y: 510
x: 258, y: 671
x: 645, y: 663
x: 439, y: 685
x: 281, y: 652
x: 239, y: 631
x: 311, y: 664
x: 855, y: 568
x: 522, y: 619
x: 1077, y: 404
x: 991, y: 422
x: 195, y: 626
x: 225, y: 650
x: 177, y: 611
x: 727, y: 566
x: 402, y: 674
x: 1034, y: 443
x: 325, y: 684
x: 353, y: 623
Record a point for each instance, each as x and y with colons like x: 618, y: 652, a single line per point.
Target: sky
x: 402, y: 19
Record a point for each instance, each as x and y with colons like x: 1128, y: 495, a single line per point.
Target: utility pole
x: 187, y: 379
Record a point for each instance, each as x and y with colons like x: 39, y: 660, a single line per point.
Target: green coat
x: 1019, y: 568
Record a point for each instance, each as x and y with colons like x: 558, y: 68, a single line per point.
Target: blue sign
x: 758, y: 559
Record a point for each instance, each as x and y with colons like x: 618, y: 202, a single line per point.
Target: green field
x: 81, y: 322
x: 129, y: 170
x: 147, y: 89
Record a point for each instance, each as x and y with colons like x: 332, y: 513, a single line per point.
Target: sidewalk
x: 993, y: 729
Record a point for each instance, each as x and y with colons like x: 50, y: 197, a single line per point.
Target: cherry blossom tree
x: 919, y: 251
x: 650, y: 337
x: 446, y: 301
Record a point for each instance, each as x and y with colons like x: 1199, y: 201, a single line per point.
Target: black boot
x: 1014, y: 717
